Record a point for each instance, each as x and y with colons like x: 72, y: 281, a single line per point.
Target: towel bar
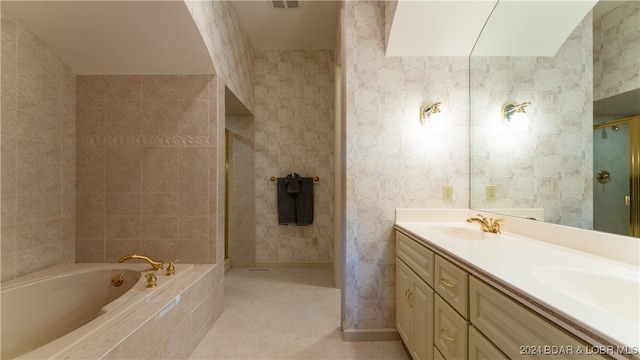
x: 315, y: 179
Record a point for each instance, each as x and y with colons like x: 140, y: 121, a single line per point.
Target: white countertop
x: 513, y: 259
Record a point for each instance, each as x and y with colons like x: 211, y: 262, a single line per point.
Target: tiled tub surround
x: 40, y: 321
x: 146, y: 167
x: 170, y: 326
x: 509, y: 261
x: 37, y: 154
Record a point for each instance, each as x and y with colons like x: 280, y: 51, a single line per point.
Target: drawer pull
x: 406, y: 296
x: 443, y: 332
x: 446, y: 283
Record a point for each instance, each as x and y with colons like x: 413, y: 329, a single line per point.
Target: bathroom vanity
x: 462, y: 293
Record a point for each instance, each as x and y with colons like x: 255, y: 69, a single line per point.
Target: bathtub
x: 49, y: 313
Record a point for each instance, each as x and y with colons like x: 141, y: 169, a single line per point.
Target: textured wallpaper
x: 294, y: 133
x: 38, y: 153
x: 550, y: 165
x: 228, y: 44
x: 392, y: 160
x: 616, y: 50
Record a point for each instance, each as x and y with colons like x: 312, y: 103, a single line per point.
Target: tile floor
x: 285, y: 313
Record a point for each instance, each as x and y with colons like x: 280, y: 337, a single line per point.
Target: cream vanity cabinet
x: 414, y: 296
x: 443, y: 312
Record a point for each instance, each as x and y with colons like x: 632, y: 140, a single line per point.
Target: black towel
x: 293, y: 183
x: 286, y: 204
x: 304, y: 203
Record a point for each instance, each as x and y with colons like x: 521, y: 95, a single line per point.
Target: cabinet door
x: 404, y: 313
x: 450, y: 331
x: 422, y: 302
x: 482, y: 349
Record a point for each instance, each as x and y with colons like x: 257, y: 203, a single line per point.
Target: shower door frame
x: 634, y: 169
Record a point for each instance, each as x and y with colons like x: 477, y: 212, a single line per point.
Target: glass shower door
x: 611, y: 188
x: 616, y: 166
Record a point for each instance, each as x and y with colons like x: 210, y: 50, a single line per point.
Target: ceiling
x: 118, y: 37
x: 314, y: 25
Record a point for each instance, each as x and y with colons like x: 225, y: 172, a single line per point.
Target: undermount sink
x: 460, y: 232
x: 618, y: 294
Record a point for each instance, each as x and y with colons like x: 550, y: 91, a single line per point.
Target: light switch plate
x: 491, y: 193
x: 447, y: 193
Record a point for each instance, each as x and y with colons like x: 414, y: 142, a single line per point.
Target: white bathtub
x: 49, y: 313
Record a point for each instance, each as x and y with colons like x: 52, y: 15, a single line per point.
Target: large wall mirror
x: 544, y: 167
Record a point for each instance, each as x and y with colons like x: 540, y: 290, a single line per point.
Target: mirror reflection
x: 548, y: 170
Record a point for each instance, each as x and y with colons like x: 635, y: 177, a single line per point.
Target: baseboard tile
x: 370, y: 335
x: 292, y: 264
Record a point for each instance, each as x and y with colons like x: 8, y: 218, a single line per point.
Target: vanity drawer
x: 481, y: 348
x: 436, y: 354
x: 450, y: 331
x: 451, y: 283
x: 417, y: 256
x: 517, y: 331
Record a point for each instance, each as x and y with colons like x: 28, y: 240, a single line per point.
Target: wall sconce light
x: 515, y: 117
x: 431, y: 113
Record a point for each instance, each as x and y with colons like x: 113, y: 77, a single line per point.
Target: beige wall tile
x: 36, y: 259
x: 9, y: 207
x: 90, y: 227
x: 9, y: 245
x: 159, y: 158
x: 123, y: 181
x: 160, y: 181
x: 88, y: 133
x: 160, y: 204
x: 123, y: 111
x: 127, y: 134
x: 159, y: 227
x: 90, y: 204
x: 194, y: 158
x: 122, y: 158
x: 115, y: 249
x: 38, y: 233
x: 41, y: 127
x: 193, y: 228
x: 122, y: 203
x: 38, y: 107
x: 160, y: 87
x: 193, y: 204
x: 90, y: 157
x: 194, y: 87
x: 38, y: 153
x: 90, y: 180
x: 8, y: 157
x: 194, y: 111
x: 92, y: 87
x: 194, y: 129
x: 38, y: 180
x: 160, y: 128
x: 160, y: 111
x: 126, y: 87
x: 90, y: 250
x: 91, y: 111
x: 38, y: 207
x: 196, y: 181
x: 123, y: 227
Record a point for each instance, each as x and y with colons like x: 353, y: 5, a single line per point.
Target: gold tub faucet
x: 157, y: 265
x: 492, y: 225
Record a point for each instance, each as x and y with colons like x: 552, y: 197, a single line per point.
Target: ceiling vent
x: 285, y: 4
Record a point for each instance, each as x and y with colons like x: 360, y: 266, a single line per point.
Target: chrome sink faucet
x: 157, y: 265
x: 492, y: 225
